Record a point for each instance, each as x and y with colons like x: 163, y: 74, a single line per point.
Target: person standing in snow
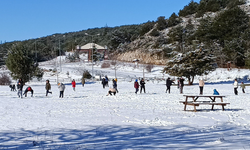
x: 201, y: 85
x: 103, y: 83
x: 181, y: 85
x: 142, y: 83
x: 47, y: 87
x: 61, y: 88
x: 136, y: 86
x: 168, y: 84
x: 115, y: 85
x: 73, y: 84
x: 83, y: 81
x: 106, y: 81
x: 243, y: 86
x: 178, y: 83
x: 20, y: 88
x: 235, y: 87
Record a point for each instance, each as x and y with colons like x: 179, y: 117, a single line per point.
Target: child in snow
x: 178, y: 83
x: 20, y: 88
x: 47, y: 87
x: 136, y: 85
x: 103, y: 83
x: 28, y: 89
x: 61, y: 88
x: 216, y: 92
x: 83, y: 81
x: 12, y: 87
x: 115, y: 84
x: 74, y: 84
x: 235, y: 87
x: 106, y: 81
x: 111, y: 90
x: 243, y: 86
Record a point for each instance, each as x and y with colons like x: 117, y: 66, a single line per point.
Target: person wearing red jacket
x: 73, y: 84
x: 136, y: 85
x: 28, y: 89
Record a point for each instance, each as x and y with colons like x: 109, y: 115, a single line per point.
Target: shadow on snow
x: 223, y: 136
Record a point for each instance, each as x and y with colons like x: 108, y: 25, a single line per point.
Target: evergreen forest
x: 220, y: 26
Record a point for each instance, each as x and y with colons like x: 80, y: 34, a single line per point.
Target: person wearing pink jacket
x: 136, y: 85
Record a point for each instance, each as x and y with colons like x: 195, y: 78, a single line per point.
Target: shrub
x: 149, y: 67
x: 154, y: 33
x: 105, y: 65
x: 39, y: 74
x: 86, y: 74
x: 161, y: 23
x: 113, y: 63
x: 173, y: 20
x: 190, y: 9
x: 4, y: 79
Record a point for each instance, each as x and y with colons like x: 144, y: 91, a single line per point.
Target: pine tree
x: 146, y: 27
x: 229, y: 25
x: 190, y: 64
x: 21, y: 64
x: 173, y: 20
x: 161, y: 23
x: 190, y: 9
x: 235, y: 51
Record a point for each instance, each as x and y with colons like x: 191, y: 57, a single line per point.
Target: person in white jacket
x: 111, y: 90
x: 235, y: 87
x: 61, y: 88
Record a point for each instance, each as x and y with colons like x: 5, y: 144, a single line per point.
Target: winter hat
x: 136, y: 80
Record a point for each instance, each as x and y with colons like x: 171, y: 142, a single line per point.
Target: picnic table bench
x: 212, y: 101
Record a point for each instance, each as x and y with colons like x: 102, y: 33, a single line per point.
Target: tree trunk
x: 190, y: 80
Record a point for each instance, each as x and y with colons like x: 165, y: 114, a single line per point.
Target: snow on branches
x: 190, y: 64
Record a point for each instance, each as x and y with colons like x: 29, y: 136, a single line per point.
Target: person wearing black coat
x: 168, y: 84
x: 142, y: 84
x: 103, y: 82
x: 181, y: 85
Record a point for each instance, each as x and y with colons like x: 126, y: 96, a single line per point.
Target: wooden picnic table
x: 195, y: 101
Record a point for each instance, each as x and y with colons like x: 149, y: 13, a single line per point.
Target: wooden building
x: 98, y: 50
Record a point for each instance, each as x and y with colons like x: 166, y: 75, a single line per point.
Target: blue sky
x: 27, y: 19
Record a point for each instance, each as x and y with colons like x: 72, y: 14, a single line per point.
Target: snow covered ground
x: 88, y: 119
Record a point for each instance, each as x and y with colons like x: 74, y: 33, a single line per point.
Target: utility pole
x: 60, y: 54
x: 93, y: 45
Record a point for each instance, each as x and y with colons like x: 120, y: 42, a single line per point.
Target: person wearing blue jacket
x: 115, y: 85
x: 216, y: 92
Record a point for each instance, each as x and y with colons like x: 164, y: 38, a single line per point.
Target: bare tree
x: 114, y: 62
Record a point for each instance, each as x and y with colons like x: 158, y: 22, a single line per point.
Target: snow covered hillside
x: 88, y: 119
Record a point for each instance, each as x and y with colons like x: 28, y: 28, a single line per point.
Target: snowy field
x: 88, y: 119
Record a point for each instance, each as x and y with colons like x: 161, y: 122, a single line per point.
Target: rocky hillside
x: 184, y: 36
